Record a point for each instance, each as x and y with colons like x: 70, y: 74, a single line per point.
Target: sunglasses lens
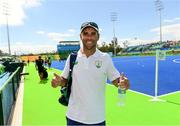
x: 94, y: 24
x: 89, y: 23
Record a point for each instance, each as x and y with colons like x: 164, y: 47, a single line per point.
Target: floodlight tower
x: 159, y: 8
x: 6, y: 13
x: 113, y: 19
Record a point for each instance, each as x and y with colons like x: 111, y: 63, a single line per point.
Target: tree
x: 126, y: 44
x: 1, y: 52
x: 103, y: 47
x: 110, y: 47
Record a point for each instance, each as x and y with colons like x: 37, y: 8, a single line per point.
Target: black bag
x: 66, y: 91
x: 45, y: 73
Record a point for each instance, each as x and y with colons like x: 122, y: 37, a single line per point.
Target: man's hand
x: 123, y: 82
x: 58, y: 81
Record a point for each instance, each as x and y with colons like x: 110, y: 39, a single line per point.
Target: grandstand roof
x: 68, y: 42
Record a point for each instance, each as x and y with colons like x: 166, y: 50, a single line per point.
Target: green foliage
x: 1, y: 69
x: 110, y: 48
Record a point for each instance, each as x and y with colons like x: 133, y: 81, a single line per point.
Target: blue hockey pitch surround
x: 58, y: 64
x: 141, y: 72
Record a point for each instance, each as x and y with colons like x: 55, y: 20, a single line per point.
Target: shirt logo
x: 98, y: 63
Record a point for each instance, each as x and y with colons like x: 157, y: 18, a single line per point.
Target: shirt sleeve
x: 112, y: 72
x: 65, y: 72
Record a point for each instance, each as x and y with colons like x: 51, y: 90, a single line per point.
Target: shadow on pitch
x: 44, y: 81
x: 175, y: 103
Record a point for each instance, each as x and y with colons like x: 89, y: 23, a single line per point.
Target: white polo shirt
x: 87, y: 99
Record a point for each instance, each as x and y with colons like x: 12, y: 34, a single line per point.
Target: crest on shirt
x: 98, y: 63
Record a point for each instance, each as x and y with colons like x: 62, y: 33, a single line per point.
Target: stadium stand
x: 168, y: 45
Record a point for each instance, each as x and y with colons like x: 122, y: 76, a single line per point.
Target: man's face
x: 89, y: 37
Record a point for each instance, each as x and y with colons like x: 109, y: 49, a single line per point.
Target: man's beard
x: 89, y: 48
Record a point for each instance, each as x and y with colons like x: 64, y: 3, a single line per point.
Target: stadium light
x: 6, y: 13
x: 113, y: 19
x: 159, y: 8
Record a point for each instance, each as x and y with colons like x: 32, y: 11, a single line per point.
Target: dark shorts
x: 72, y: 122
x: 40, y: 69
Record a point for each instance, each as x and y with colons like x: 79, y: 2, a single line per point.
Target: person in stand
x: 49, y: 62
x: 89, y: 76
x: 28, y: 62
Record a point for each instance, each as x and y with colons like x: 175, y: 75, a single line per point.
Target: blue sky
x: 38, y: 25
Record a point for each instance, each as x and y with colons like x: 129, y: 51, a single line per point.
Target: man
x: 90, y: 73
x: 40, y: 67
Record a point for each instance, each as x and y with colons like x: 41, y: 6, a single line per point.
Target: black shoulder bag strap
x: 72, y: 62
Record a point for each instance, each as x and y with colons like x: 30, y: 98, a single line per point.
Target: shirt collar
x: 96, y: 54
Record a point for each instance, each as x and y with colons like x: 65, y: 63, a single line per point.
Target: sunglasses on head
x: 89, y: 24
